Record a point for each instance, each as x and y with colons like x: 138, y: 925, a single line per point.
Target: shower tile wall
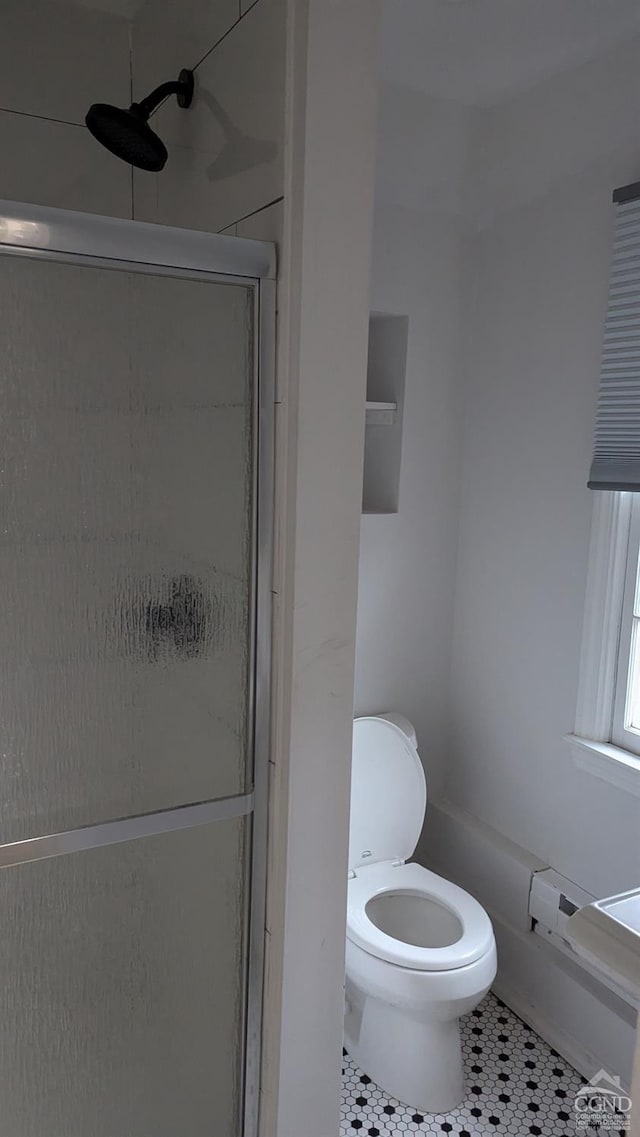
x: 226, y: 154
x: 166, y: 37
x: 55, y: 56
x: 56, y: 59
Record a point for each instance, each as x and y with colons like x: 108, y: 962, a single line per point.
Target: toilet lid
x: 388, y: 794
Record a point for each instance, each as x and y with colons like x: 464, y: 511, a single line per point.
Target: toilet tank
x: 405, y: 726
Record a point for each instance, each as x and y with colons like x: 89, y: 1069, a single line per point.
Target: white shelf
x: 380, y: 414
x: 386, y: 365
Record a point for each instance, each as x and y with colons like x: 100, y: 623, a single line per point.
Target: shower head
x: 127, y: 134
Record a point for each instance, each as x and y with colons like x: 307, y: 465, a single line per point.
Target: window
x: 606, y: 737
x: 625, y: 729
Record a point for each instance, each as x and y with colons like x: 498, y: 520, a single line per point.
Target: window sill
x: 609, y: 763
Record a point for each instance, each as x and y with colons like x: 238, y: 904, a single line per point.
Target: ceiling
x: 480, y: 52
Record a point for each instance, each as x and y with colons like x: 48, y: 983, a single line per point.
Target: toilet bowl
x: 420, y: 950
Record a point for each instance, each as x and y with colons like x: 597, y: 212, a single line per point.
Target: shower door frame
x: 39, y: 232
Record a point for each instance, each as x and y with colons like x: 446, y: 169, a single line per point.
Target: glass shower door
x: 127, y: 566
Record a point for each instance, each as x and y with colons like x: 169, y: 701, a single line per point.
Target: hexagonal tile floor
x: 516, y: 1085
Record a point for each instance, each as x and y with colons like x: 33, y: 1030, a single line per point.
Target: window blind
x: 616, y: 453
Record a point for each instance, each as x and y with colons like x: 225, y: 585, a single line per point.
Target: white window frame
x: 606, y: 638
x: 621, y: 735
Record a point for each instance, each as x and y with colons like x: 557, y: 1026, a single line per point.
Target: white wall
x: 547, y: 162
x: 543, y: 166
x: 407, y: 560
x: 328, y: 212
x: 497, y: 245
x: 55, y: 60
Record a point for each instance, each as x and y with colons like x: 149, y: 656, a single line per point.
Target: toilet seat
x: 388, y: 793
x: 387, y: 878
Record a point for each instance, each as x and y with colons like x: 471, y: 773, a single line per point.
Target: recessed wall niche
x: 386, y: 369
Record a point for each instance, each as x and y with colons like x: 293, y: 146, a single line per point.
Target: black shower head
x: 127, y: 134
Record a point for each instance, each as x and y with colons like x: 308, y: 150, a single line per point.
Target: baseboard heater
x: 553, y: 900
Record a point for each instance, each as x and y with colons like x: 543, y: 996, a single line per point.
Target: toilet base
x: 418, y: 1063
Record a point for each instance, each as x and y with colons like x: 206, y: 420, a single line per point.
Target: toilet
x: 420, y: 951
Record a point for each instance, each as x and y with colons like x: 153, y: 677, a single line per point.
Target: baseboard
x: 590, y: 1026
x: 567, y: 1046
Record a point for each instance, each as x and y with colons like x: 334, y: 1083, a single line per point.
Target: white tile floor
x: 516, y: 1085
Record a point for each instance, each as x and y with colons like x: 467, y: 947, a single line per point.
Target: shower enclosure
x: 136, y: 369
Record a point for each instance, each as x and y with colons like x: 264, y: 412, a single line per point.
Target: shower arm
x: 182, y: 87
